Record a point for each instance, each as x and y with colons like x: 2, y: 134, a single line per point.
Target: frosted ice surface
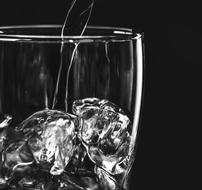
x: 50, y: 135
x: 104, y: 131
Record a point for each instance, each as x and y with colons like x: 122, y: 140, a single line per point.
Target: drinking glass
x: 69, y: 107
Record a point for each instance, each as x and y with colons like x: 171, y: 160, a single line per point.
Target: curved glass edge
x: 117, y: 34
x: 140, y: 85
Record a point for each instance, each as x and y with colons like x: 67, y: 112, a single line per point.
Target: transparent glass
x: 69, y: 117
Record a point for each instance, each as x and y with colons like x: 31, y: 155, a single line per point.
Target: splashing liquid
x: 75, y: 24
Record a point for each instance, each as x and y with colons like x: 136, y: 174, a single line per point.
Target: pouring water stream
x: 75, y: 24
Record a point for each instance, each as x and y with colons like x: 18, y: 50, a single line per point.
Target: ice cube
x: 77, y: 160
x: 51, y: 138
x: 90, y: 182
x: 81, y: 105
x: 103, y: 129
x: 3, y: 183
x: 106, y: 181
x: 27, y: 182
x: 2, y: 139
x: 16, y: 158
x: 78, y: 182
x: 5, y: 120
x: 70, y: 183
x: 36, y: 181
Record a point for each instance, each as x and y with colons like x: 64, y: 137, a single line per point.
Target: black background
x: 168, y: 138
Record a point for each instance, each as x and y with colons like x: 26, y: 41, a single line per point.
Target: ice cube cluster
x: 52, y: 149
x: 103, y: 131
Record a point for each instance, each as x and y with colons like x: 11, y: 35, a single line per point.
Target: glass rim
x: 116, y: 33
